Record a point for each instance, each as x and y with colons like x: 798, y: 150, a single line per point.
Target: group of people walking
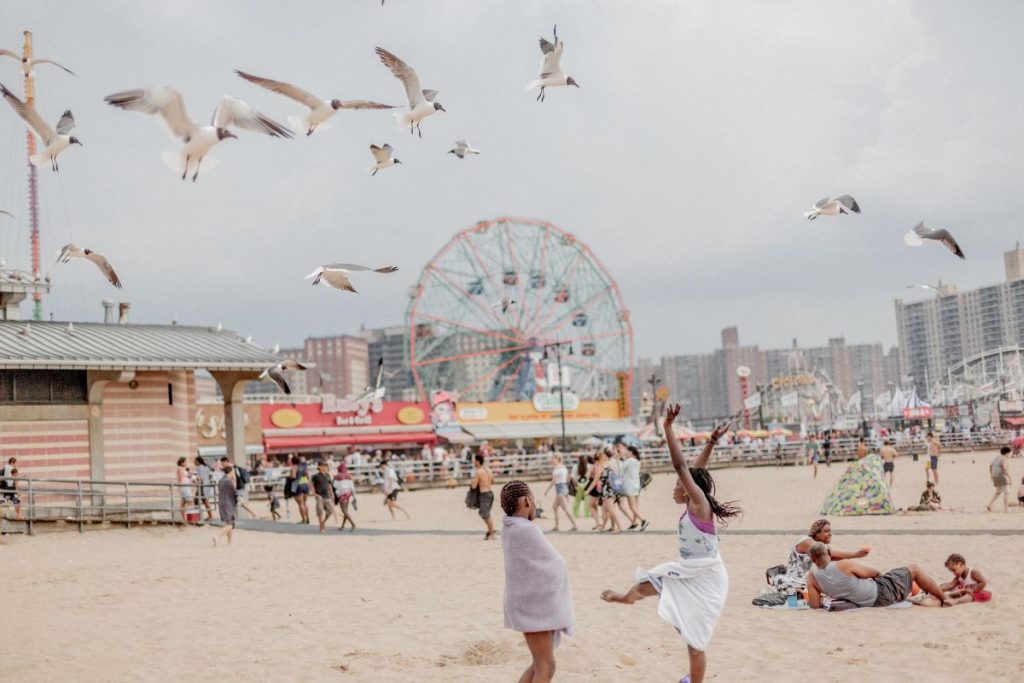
x: 606, y: 486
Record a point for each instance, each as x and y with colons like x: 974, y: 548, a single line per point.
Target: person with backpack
x: 242, y: 478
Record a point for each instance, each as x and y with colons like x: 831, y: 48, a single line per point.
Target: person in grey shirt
x: 864, y: 586
x: 227, y: 503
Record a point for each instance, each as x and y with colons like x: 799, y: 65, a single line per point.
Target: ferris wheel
x: 508, y: 300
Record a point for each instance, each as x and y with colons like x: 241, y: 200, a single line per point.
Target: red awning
x: 1015, y: 421
x: 299, y: 443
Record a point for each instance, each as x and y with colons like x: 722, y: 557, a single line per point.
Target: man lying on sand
x: 864, y: 586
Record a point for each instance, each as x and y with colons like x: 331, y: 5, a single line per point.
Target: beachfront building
x: 115, y: 401
x: 935, y: 334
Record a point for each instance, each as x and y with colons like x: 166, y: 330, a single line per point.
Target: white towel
x: 692, y: 596
x: 537, y: 592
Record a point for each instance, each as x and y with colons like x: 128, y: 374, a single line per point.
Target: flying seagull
x: 197, y: 140
x: 922, y: 285
x: 382, y: 158
x: 55, y: 141
x: 833, y: 207
x: 421, y: 102
x: 550, y: 68
x: 275, y: 373
x: 28, y: 64
x: 319, y: 110
x: 915, y: 238
x: 333, y: 274
x: 462, y: 148
x: 504, y: 304
x: 70, y: 251
x: 7, y: 213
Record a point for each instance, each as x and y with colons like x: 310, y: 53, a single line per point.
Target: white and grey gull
x: 382, y: 158
x: 275, y: 373
x: 551, y: 74
x: 197, y: 141
x: 336, y: 274
x: 55, y: 141
x: 462, y: 148
x: 319, y: 110
x: 916, y: 237
x: 70, y: 251
x: 28, y: 64
x: 828, y: 206
x: 421, y: 102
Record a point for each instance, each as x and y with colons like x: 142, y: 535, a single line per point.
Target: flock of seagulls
x: 234, y: 114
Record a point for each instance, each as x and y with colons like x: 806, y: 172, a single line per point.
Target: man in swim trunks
x: 483, y: 479
x: 864, y: 586
x: 888, y: 454
x: 934, y: 451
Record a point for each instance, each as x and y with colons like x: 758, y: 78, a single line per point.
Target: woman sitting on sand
x: 800, y: 560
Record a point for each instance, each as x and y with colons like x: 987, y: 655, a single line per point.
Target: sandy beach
x: 420, y: 600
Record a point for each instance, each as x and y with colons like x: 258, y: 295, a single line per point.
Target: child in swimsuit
x: 968, y: 585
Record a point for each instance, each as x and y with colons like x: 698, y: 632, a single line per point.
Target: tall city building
x: 937, y: 333
x: 342, y: 364
x: 390, y: 343
x: 708, y: 386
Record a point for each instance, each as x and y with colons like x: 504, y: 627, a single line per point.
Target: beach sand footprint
x: 625, y: 661
x: 486, y: 652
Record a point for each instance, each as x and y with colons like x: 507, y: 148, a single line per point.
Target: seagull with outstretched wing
x: 319, y: 110
x: 169, y: 105
x: 7, y: 213
x: 922, y: 285
x: 275, y: 373
x: 55, y: 141
x: 551, y: 74
x: 462, y: 148
x: 27, y: 64
x: 336, y: 274
x: 70, y: 251
x: 915, y: 238
x: 844, y: 204
x: 382, y: 158
x: 421, y: 102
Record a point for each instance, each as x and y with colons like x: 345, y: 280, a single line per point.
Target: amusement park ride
x: 16, y: 285
x: 554, y: 295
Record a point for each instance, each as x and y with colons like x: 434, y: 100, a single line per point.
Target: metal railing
x: 86, y: 501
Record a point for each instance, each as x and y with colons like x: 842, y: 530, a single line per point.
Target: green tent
x: 860, y: 491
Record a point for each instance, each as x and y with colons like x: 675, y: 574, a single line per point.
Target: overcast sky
x: 700, y: 134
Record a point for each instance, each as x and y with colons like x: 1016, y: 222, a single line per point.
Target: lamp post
x: 557, y: 346
x: 654, y: 381
x: 860, y: 394
x: 760, y: 407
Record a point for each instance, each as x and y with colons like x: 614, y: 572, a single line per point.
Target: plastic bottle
x: 791, y: 600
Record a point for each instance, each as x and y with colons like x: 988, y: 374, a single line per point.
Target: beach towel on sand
x: 692, y: 595
x: 537, y: 593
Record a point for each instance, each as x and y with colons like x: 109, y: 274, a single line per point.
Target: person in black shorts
x: 483, y: 479
x: 826, y: 448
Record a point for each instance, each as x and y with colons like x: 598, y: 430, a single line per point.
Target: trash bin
x: 192, y: 515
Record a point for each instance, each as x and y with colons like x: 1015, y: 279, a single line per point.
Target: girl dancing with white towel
x: 692, y: 588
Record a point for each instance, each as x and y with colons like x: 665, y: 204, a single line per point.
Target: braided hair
x: 722, y: 511
x: 511, y: 493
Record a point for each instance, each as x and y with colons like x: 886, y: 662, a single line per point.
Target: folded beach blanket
x: 537, y: 592
x: 693, y: 594
x: 847, y: 606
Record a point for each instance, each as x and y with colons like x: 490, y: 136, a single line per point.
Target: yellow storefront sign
x: 524, y: 411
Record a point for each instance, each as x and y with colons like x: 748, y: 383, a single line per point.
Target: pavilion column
x: 97, y: 381
x: 232, y: 386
